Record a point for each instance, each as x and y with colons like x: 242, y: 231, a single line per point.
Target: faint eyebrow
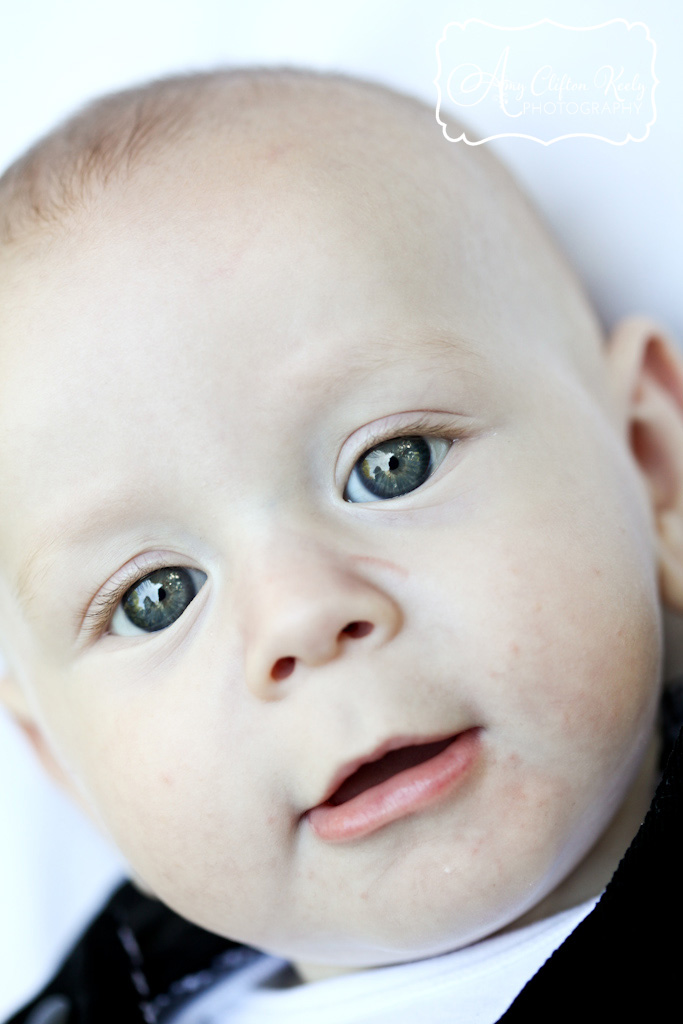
x: 382, y: 350
x: 96, y: 519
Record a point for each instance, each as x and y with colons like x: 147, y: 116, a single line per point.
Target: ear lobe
x: 646, y: 367
x: 12, y: 696
x: 15, y: 702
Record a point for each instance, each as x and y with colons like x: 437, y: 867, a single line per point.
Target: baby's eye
x: 395, y: 467
x: 156, y: 601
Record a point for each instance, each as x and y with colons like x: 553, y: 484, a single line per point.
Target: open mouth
x: 403, y: 782
x: 376, y: 772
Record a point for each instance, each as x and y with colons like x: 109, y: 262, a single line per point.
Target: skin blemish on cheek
x: 277, y: 150
x: 381, y: 562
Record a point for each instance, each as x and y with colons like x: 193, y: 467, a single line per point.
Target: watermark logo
x: 546, y: 81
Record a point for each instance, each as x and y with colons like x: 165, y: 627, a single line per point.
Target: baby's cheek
x: 550, y: 820
x: 588, y: 618
x: 202, y: 848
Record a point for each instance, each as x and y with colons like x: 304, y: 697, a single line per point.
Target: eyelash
x: 100, y: 614
x: 425, y: 427
x: 103, y: 607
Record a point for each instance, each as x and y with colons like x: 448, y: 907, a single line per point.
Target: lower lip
x: 404, y: 793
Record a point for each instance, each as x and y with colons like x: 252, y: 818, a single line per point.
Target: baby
x: 336, y: 546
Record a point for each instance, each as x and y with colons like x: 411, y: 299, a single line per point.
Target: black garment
x: 624, y: 962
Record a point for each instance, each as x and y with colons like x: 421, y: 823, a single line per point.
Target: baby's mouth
x: 373, y: 791
x: 376, y: 772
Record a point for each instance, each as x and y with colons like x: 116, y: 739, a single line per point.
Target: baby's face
x: 191, y: 382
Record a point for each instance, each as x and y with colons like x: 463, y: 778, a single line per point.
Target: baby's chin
x: 440, y: 927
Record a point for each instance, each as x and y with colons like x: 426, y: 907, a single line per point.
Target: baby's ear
x: 646, y: 366
x: 12, y: 696
x: 14, y: 701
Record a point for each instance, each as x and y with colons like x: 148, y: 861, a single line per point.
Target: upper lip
x: 393, y: 743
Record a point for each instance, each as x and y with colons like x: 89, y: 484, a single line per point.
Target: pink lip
x: 406, y: 792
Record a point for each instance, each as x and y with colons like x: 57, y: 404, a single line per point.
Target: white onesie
x: 474, y: 985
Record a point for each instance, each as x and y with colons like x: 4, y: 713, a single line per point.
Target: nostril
x: 358, y: 629
x: 282, y: 668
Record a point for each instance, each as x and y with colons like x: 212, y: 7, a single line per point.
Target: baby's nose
x: 309, y: 615
x: 284, y: 667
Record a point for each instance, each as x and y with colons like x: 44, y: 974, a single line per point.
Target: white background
x: 618, y: 211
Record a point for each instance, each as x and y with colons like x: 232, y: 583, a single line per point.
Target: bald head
x: 113, y: 136
x: 357, y: 143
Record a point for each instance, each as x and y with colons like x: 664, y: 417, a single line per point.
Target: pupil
x: 393, y: 462
x: 159, y: 598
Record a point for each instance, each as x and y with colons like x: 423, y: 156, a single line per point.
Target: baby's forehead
x: 344, y: 143
x: 371, y: 162
x: 348, y: 197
